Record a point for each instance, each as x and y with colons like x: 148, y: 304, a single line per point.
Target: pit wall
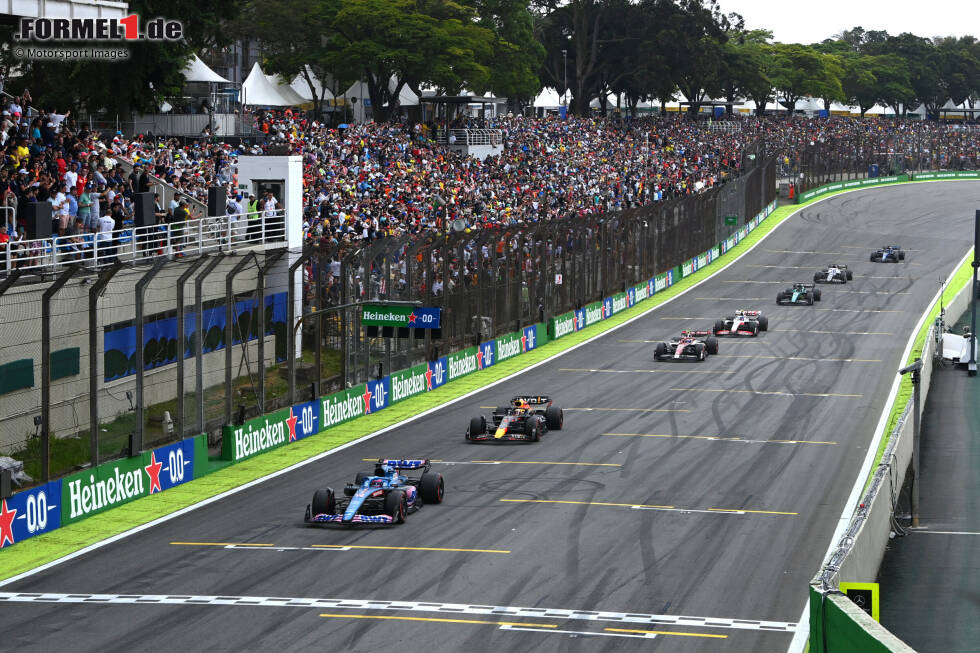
x: 836, y: 623
x: 854, y: 184
x: 98, y: 489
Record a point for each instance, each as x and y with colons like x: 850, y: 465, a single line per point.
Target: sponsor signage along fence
x: 400, y: 316
x: 958, y: 174
x: 593, y: 314
x: 408, y: 383
x: 509, y: 346
x: 439, y: 370
x: 562, y: 325
x: 121, y: 481
x: 846, y: 185
x: 529, y: 338
x: 462, y: 363
x: 30, y: 513
x: 620, y: 302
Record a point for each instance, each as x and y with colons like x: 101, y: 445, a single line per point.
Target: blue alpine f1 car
x: 888, y: 254
x: 383, y: 497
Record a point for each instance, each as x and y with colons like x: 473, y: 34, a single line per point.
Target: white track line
x: 403, y: 606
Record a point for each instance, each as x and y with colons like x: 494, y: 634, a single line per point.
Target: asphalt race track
x: 684, y: 507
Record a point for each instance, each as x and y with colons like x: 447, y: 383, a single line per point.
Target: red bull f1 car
x: 800, y: 293
x: 691, y: 345
x: 383, y: 497
x: 835, y: 273
x: 888, y: 254
x: 526, y: 419
x: 743, y: 323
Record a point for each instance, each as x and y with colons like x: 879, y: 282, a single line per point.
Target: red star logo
x: 291, y: 423
x: 523, y: 343
x: 411, y: 318
x: 428, y: 378
x: 367, y: 398
x: 6, y: 524
x: 479, y: 359
x: 153, y: 470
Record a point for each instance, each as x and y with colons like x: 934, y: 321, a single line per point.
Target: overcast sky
x: 812, y: 22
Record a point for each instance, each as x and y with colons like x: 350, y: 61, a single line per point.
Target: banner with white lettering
x: 29, y: 513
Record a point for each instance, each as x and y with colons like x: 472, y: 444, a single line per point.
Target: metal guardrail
x: 470, y: 136
x: 130, y: 244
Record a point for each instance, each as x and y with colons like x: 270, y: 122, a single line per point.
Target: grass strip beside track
x: 960, y: 279
x: 51, y: 546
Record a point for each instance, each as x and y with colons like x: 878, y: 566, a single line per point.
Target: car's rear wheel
x: 554, y: 417
x: 850, y: 276
x: 711, y: 346
x: 719, y: 326
x: 478, y: 426
x: 395, y: 506
x: 818, y: 277
x: 432, y: 487
x: 901, y: 256
x: 763, y: 323
x: 659, y: 351
x: 875, y: 257
x: 323, y: 502
x: 816, y: 295
x: 780, y: 297
x: 361, y: 476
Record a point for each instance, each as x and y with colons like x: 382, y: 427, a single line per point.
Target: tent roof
x: 303, y: 89
x: 198, y: 71
x: 257, y: 90
x: 286, y: 91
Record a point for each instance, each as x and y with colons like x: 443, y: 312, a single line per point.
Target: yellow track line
x: 437, y: 620
x: 664, y: 632
x: 719, y: 438
x: 407, y: 548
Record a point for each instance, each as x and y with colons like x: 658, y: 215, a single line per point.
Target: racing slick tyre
x: 816, y: 296
x: 699, y: 351
x: 719, y: 326
x: 711, y: 346
x: 875, y: 258
x: 432, y: 487
x: 478, y: 426
x: 532, y: 429
x: 554, y: 417
x: 323, y: 502
x: 659, y: 351
x: 780, y: 297
x: 361, y: 476
x: 763, y: 323
x: 395, y: 506
x: 809, y: 300
x: 818, y: 277
x: 843, y: 279
x: 849, y: 275
x: 901, y: 255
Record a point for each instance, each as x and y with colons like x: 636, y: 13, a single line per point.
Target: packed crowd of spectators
x: 378, y: 180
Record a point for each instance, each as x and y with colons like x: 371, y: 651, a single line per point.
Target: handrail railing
x: 470, y: 136
x: 133, y: 244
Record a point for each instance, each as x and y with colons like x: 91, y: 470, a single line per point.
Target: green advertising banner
x: 463, y: 362
x: 255, y: 436
x: 620, y: 302
x: 508, y: 346
x: 410, y: 382
x: 687, y: 268
x: 848, y: 185
x: 660, y: 282
x: 385, y: 315
x: 641, y: 292
x: 106, y: 486
x: 593, y: 314
x: 963, y: 174
x: 342, y: 406
x: 561, y: 325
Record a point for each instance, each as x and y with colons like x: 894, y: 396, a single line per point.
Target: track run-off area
x: 683, y: 507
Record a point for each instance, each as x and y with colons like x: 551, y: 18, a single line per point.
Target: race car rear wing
x: 695, y: 334
x: 748, y: 313
x: 533, y: 400
x: 394, y: 463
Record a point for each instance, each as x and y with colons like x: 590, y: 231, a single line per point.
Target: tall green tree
x: 517, y: 53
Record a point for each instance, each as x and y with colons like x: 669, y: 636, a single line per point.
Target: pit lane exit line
x: 640, y: 410
x: 777, y: 393
x: 719, y: 438
x: 333, y: 547
x: 401, y: 606
x: 640, y: 506
x: 660, y: 371
x: 508, y: 462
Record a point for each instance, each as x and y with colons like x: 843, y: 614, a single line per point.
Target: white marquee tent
x: 258, y: 91
x: 286, y: 91
x: 198, y: 71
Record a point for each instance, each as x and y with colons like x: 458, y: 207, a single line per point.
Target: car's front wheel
x: 395, y: 506
x: 323, y: 502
